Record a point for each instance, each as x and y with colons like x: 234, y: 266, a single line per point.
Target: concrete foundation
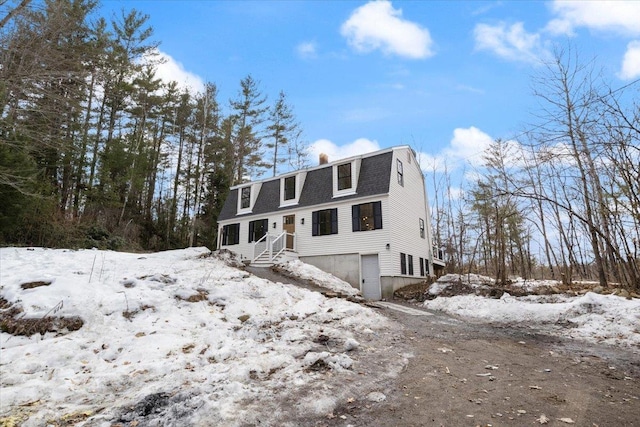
x: 343, y: 266
x: 390, y: 284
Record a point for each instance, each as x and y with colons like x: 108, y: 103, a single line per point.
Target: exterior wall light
x: 302, y: 221
x: 388, y: 246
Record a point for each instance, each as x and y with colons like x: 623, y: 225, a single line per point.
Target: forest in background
x: 96, y: 151
x: 563, y: 200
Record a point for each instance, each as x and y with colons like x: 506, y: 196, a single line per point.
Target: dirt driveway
x: 478, y: 375
x: 464, y: 374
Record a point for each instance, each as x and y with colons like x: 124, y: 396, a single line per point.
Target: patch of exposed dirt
x: 12, y: 321
x: 476, y: 375
x: 36, y: 284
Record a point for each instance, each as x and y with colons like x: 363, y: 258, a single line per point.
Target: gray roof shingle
x: 374, y: 178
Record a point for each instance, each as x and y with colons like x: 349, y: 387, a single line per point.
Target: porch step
x: 264, y: 261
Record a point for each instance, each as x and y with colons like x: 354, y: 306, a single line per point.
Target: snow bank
x: 592, y: 317
x: 175, y: 329
x: 321, y: 278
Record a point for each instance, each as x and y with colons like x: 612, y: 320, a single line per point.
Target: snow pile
x: 592, y: 317
x: 174, y: 334
x: 321, y: 278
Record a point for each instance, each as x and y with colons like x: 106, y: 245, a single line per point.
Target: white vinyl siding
x: 346, y: 241
x: 401, y: 211
x: 407, y: 205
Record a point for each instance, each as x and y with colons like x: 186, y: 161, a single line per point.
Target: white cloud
x: 621, y: 17
x: 307, y: 50
x: 631, y: 62
x: 511, y: 42
x: 377, y: 25
x: 466, y: 147
x: 337, y: 152
x: 172, y: 70
x: 469, y: 145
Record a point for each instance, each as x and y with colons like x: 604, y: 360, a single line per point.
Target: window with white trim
x: 290, y: 188
x: 400, y: 173
x: 344, y: 176
x: 245, y: 197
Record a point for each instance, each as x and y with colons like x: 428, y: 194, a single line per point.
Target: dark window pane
x: 245, y: 198
x: 325, y: 222
x: 257, y: 229
x: 344, y: 176
x: 422, y: 228
x: 290, y: 188
x: 367, y: 216
x: 400, y: 173
x: 410, y: 264
x: 403, y: 264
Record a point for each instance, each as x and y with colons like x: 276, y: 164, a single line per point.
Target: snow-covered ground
x: 184, y: 337
x: 608, y: 319
x: 309, y: 272
x: 177, y: 335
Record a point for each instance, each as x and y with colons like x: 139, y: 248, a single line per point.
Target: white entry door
x: 370, y: 277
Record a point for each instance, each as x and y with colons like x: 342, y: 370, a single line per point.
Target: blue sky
x: 445, y: 77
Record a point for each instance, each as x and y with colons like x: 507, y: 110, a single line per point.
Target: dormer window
x: 290, y: 188
x: 344, y: 176
x: 245, y: 198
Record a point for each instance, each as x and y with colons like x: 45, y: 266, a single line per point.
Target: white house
x: 364, y: 219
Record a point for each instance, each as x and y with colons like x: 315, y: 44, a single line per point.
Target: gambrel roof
x: 373, y: 179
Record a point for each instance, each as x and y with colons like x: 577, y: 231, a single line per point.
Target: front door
x: 370, y: 277
x: 289, y: 225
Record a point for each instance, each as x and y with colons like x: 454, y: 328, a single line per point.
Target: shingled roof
x: 374, y: 178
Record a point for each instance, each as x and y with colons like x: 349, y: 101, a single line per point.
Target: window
x: 426, y: 267
x: 403, y: 263
x: 231, y: 234
x: 344, y: 176
x: 324, y: 222
x: 367, y: 216
x: 410, y: 263
x: 421, y: 222
x: 245, y: 198
x: 421, y: 262
x: 257, y: 229
x: 400, y: 173
x: 290, y: 188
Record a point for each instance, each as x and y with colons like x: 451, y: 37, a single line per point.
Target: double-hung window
x: 367, y: 216
x: 325, y: 222
x: 403, y: 263
x: 410, y: 264
x: 290, y: 188
x: 344, y: 176
x: 257, y: 229
x: 245, y: 197
x: 400, y: 173
x: 421, y: 224
x: 231, y: 234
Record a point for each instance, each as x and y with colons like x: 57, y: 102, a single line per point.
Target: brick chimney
x: 324, y: 159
